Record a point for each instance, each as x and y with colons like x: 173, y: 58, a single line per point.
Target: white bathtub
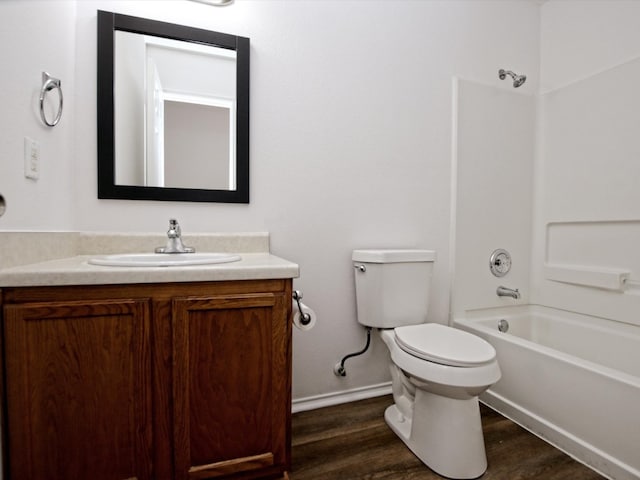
x: 571, y: 379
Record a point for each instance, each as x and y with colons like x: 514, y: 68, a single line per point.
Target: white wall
x: 581, y: 38
x: 587, y: 196
x: 36, y: 36
x: 350, y: 137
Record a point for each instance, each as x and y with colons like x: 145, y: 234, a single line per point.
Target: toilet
x: 437, y: 371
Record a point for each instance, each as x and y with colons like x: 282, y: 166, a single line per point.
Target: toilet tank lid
x: 393, y: 256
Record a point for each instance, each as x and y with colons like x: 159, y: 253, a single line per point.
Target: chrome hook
x: 48, y: 84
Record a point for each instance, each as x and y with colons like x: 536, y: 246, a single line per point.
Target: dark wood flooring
x: 352, y: 442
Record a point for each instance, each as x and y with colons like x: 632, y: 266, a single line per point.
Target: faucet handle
x: 174, y: 228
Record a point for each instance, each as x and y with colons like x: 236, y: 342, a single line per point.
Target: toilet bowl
x: 437, y: 371
x: 435, y: 411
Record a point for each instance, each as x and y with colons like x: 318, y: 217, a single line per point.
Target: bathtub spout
x: 508, y: 292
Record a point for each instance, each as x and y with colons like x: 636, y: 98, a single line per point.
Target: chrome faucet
x: 508, y: 292
x: 174, y: 240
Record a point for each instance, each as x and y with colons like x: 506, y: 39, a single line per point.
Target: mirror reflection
x: 173, y: 113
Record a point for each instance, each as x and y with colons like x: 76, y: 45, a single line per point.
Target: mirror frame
x: 108, y: 24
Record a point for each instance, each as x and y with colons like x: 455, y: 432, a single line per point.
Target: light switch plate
x: 31, y: 158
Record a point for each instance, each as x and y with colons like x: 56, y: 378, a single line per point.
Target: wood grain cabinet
x: 155, y: 381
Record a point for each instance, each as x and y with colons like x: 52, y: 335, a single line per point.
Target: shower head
x: 518, y: 80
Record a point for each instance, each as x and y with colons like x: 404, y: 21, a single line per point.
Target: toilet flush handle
x: 362, y: 268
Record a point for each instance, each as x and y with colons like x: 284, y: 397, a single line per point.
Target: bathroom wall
x: 587, y: 209
x: 494, y: 132
x: 350, y: 137
x: 37, y: 36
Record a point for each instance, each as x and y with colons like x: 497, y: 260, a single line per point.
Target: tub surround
x: 61, y: 258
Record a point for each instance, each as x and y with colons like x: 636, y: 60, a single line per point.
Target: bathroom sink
x: 163, y: 259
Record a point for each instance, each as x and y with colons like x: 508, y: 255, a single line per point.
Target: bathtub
x: 571, y: 379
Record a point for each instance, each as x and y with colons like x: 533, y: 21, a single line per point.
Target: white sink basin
x: 163, y: 259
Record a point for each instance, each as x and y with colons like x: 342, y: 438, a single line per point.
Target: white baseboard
x: 336, y: 398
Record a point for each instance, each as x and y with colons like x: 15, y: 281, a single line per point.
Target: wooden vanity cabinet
x: 77, y: 390
x: 148, y: 381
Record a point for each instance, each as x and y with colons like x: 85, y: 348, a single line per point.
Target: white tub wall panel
x: 587, y: 201
x: 601, y: 243
x: 604, y: 247
x: 590, y: 202
x: 495, y: 139
x: 593, y: 219
x: 589, y: 276
x: 622, y: 307
x: 591, y: 144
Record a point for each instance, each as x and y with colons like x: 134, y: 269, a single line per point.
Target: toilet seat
x: 434, y: 373
x: 444, y: 345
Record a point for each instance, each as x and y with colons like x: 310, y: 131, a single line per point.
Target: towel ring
x: 48, y: 84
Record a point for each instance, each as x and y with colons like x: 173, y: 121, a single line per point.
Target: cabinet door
x: 231, y: 385
x: 78, y: 390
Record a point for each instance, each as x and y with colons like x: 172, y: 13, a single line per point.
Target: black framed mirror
x: 173, y: 112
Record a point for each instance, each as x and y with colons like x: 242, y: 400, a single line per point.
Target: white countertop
x: 77, y: 271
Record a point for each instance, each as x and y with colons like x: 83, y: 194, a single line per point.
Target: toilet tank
x: 392, y: 286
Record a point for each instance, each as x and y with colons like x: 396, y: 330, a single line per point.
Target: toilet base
x: 445, y: 433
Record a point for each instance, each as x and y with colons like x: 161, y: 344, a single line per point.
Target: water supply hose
x: 339, y: 369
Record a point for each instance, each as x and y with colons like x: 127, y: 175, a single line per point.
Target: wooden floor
x: 352, y: 442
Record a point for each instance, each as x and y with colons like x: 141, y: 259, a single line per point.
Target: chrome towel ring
x: 48, y: 84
